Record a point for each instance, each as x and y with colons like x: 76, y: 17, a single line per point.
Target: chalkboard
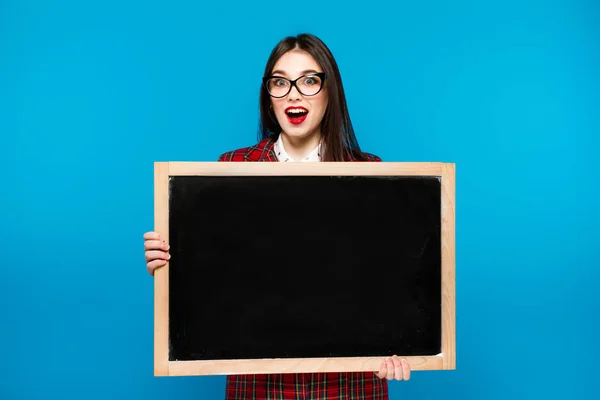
x: 303, y: 267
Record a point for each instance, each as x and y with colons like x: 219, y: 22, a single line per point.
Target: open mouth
x: 296, y: 115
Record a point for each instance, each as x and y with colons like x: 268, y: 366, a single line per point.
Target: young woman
x: 303, y: 117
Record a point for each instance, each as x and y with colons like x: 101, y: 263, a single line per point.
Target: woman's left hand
x: 394, y: 368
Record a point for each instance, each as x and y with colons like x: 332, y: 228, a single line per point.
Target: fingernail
x: 168, y: 256
x: 168, y: 247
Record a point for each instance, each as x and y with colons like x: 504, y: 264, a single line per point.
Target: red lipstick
x: 298, y: 116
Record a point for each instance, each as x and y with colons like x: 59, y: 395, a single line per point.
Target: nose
x: 294, y: 94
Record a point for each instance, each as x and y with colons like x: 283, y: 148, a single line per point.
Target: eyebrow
x: 306, y: 71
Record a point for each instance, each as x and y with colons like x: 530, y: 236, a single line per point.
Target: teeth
x: 296, y: 111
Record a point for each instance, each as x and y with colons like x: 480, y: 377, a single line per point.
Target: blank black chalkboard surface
x: 304, y: 267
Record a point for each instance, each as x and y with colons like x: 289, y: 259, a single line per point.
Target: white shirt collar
x: 283, y: 156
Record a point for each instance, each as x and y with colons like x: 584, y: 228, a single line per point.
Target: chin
x: 298, y: 133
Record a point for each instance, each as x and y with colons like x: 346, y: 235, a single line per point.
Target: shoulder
x: 362, y: 156
x: 260, y: 151
x: 234, y: 155
x: 371, y: 157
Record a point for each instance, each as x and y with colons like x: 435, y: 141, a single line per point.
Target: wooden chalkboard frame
x: 446, y: 360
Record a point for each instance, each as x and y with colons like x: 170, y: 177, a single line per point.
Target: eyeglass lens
x: 307, y: 85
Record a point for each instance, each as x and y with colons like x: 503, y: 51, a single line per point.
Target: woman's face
x: 299, y: 115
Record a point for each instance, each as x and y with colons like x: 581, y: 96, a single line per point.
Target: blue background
x: 92, y: 93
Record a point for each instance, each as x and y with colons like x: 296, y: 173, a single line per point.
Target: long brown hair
x: 338, y: 134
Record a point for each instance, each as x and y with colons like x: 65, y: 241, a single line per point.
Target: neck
x: 298, y: 148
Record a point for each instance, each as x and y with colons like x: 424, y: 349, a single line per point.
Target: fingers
x: 390, y: 369
x: 394, y: 368
x: 152, y: 265
x: 155, y: 259
x: 405, y: 370
x: 152, y: 236
x: 397, y: 368
x: 154, y: 239
x: 157, y: 254
x: 156, y: 251
x: 382, y: 371
x: 155, y: 245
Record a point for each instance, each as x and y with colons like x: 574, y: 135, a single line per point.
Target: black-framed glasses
x: 307, y: 85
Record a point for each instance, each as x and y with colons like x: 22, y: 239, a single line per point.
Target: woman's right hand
x: 157, y: 251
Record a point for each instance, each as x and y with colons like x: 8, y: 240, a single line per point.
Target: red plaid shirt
x: 263, y: 151
x: 310, y: 386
